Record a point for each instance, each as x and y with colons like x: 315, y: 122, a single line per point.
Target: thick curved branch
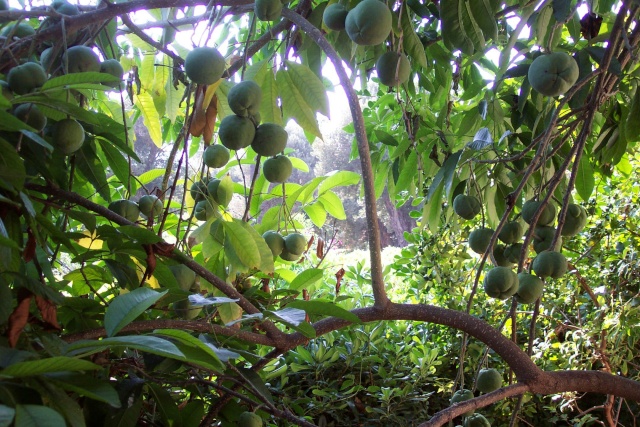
x: 373, y: 232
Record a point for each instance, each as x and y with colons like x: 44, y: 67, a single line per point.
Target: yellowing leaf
x: 144, y: 102
x: 91, y: 241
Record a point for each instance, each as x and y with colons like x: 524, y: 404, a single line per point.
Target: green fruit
x: 203, y: 210
x: 393, y: 69
x: 4, y: 5
x: 249, y: 419
x: 334, y: 16
x: 476, y: 420
x: 574, y: 221
x: 126, y: 208
x: 26, y: 77
x: 479, y: 240
x: 31, y: 115
x: 295, y: 243
x: 65, y: 8
x: 256, y: 118
x: 236, y: 132
x: 198, y: 191
x: 67, y: 136
x: 150, y: 206
x: 511, y: 232
x: 530, y: 288
x: 81, y: 59
x: 185, y: 310
x: 245, y: 98
x: 275, y: 241
x: 488, y: 380
x: 462, y: 396
x: 113, y: 67
x: 277, y: 169
x: 500, y: 282
x: 543, y: 237
x: 369, y: 23
x: 221, y: 195
x: 288, y: 256
x: 268, y: 10
x: 550, y: 264
x: 512, y: 252
x: 204, y: 65
x: 185, y: 277
x: 553, y: 74
x: 466, y: 206
x: 216, y: 156
x: 270, y: 139
x: 18, y: 30
x: 501, y: 259
x: 50, y: 59
x: 547, y: 216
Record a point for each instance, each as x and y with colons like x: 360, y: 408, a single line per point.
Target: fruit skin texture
x: 479, y: 240
x: 150, y: 205
x: 249, y: 419
x: 245, y: 98
x: 80, y: 59
x: 236, y: 132
x: 203, y: 210
x: 288, y: 256
x: 275, y: 241
x: 295, y: 243
x: 198, y: 191
x: 530, y: 288
x: 268, y: 10
x: 113, y: 67
x: 219, y: 194
x: 476, y: 420
x: 488, y: 380
x: 31, y: 115
x: 466, y: 206
x: 547, y: 216
x: 216, y: 156
x: 18, y: 30
x: 270, y: 139
x: 387, y: 65
x: 501, y: 282
x: 511, y: 232
x: 334, y: 16
x: 553, y: 74
x: 126, y: 208
x: 204, y: 65
x: 574, y: 221
x: 369, y: 23
x: 501, y: 259
x: 461, y: 396
x: 277, y: 169
x: 26, y: 77
x: 65, y: 8
x: 550, y: 264
x: 68, y: 136
x: 512, y: 252
x: 48, y: 61
x: 543, y: 237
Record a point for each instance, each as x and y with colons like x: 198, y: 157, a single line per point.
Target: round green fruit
x: 249, y: 419
x: 530, y: 207
x: 50, y: 59
x: 236, y: 132
x: 113, y: 67
x: 18, y: 30
x: 335, y: 16
x: 81, y: 59
x: 511, y: 232
x: 488, y: 380
x: 369, y: 23
x: 221, y: 195
x: 553, y: 74
x: 476, y: 420
x: 295, y: 243
x: 501, y: 282
x: 275, y: 241
x: 31, y: 115
x: 550, y: 264
x: 479, y: 240
x: 203, y: 210
x: 393, y: 68
x: 288, y: 256
x: 198, y: 191
x: 204, y: 65
x: 270, y: 139
x: 277, y: 169
x: 574, y: 221
x: 185, y: 310
x: 501, y: 259
x: 543, y: 237
x: 68, y: 136
x: 216, y: 156
x: 466, y: 206
x: 530, y: 288
x: 125, y: 208
x: 185, y: 277
x: 512, y: 252
x: 462, y: 396
x: 268, y: 10
x: 245, y: 98
x: 26, y: 77
x: 150, y: 206
x: 65, y: 8
x: 4, y: 5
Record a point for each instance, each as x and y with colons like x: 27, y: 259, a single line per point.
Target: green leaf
x: 333, y: 205
x: 306, y: 279
x: 125, y: 308
x: 241, y: 242
x: 144, y: 102
x: 325, y: 308
x: 76, y: 80
x: 38, y: 416
x: 165, y: 405
x: 585, y: 179
x: 408, y: 172
x: 312, y: 87
x: 295, y: 104
x: 6, y: 415
x: 411, y: 42
x: 52, y: 364
x: 139, y: 234
x: 12, y: 123
x: 149, y: 176
x: 338, y: 179
x: 92, y: 169
x: 150, y: 344
x: 188, y: 339
x: 116, y: 161
x: 262, y: 73
x: 317, y: 213
x: 11, y: 166
x: 87, y: 386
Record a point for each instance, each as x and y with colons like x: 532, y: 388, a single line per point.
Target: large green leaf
x: 38, y: 416
x: 116, y: 161
x: 52, y: 364
x: 87, y: 386
x: 150, y: 344
x: 585, y: 179
x: 188, y: 339
x: 92, y: 169
x: 241, y: 242
x: 125, y: 308
x: 76, y: 80
x: 333, y: 205
x: 316, y: 213
x: 295, y: 104
x: 325, y: 308
x: 306, y: 279
x: 339, y: 179
x: 12, y: 169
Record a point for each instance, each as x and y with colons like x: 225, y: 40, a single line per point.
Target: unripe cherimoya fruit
x: 26, y: 77
x: 244, y: 98
x: 369, y: 23
x: 335, y: 16
x: 574, y: 221
x: 249, y: 419
x: 547, y: 216
x: 479, y: 240
x: 216, y: 156
x: 466, y: 206
x: 488, y: 380
x: 530, y: 288
x: 550, y: 264
x: 150, y: 205
x: 393, y: 68
x: 68, y: 136
x: 476, y: 420
x: 501, y: 282
x: 461, y: 396
x: 125, y: 208
x: 277, y: 169
x: 553, y: 74
x: 236, y: 132
x: 204, y: 65
x: 270, y: 139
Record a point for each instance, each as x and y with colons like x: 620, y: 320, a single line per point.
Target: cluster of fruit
x: 208, y: 194
x: 149, y: 206
x: 501, y: 281
x: 488, y: 380
x: 289, y: 247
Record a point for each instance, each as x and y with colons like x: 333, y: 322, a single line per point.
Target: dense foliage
x: 199, y: 281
